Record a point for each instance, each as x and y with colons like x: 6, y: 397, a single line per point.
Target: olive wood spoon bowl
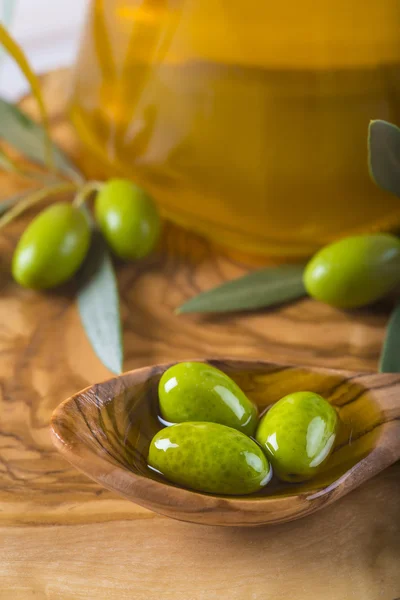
x: 105, y: 431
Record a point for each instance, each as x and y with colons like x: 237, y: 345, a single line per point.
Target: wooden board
x: 63, y: 537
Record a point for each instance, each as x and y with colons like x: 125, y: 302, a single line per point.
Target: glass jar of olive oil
x: 247, y: 121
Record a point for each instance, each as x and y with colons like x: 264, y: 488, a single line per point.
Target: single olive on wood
x: 298, y: 434
x: 52, y: 247
x: 209, y: 457
x: 128, y: 219
x: 354, y: 271
x: 194, y: 391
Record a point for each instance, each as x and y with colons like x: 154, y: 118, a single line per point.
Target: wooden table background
x: 63, y: 537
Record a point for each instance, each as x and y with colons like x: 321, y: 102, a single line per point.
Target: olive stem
x: 85, y: 191
x: 33, y: 199
x: 9, y: 164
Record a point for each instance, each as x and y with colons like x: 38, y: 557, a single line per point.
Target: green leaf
x: 26, y: 136
x: 259, y: 289
x: 390, y: 355
x: 384, y: 155
x: 98, y: 303
x: 17, y: 53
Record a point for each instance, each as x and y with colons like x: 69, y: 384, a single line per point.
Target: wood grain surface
x: 64, y: 537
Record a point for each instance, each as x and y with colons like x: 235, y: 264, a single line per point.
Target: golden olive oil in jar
x: 247, y: 122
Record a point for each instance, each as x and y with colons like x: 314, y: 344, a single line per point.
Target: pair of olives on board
x: 218, y: 444
x: 55, y: 244
x: 349, y: 273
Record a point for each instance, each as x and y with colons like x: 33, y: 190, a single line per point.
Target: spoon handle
x: 385, y: 389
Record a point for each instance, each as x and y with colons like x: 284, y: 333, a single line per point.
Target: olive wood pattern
x: 106, y: 430
x: 64, y: 537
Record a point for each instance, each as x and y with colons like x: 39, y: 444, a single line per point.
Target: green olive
x: 52, y: 248
x: 354, y: 271
x: 298, y: 434
x: 128, y: 219
x: 193, y: 391
x: 209, y: 457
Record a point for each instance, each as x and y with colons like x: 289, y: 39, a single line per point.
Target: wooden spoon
x: 105, y: 431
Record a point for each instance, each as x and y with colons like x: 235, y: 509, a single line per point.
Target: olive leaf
x: 384, y: 155
x: 98, y: 303
x: 260, y: 289
x: 15, y: 51
x: 30, y: 138
x: 390, y: 356
x: 26, y: 136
